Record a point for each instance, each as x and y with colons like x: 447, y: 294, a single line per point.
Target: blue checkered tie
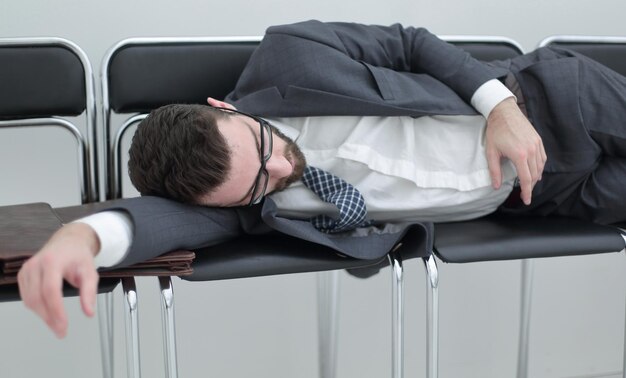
x: 332, y: 189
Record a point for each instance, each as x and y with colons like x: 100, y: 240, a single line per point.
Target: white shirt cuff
x: 115, y: 231
x: 488, y: 95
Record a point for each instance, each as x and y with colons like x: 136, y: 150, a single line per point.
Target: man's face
x: 242, y: 134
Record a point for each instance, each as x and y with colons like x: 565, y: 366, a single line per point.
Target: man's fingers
x: 544, y: 159
x: 538, y: 164
x: 86, y: 280
x: 536, y: 157
x: 68, y: 255
x: 510, y: 133
x: 29, y: 279
x: 493, y: 162
x: 533, y: 167
x: 52, y: 292
x: 525, y: 180
x: 38, y: 297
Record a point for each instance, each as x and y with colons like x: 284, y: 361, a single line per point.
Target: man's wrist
x: 83, y: 233
x: 508, y: 104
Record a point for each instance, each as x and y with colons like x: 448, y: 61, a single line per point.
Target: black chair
x: 49, y: 82
x: 505, y: 238
x: 44, y: 80
x: 608, y: 50
x: 495, y: 238
x: 141, y: 74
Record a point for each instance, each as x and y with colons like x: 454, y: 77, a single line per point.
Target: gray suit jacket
x: 315, y: 68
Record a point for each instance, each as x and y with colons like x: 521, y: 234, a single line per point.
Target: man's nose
x: 278, y: 167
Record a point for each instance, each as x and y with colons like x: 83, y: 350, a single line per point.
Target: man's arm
x: 156, y: 226
x: 315, y: 45
x: 161, y: 225
x: 416, y: 50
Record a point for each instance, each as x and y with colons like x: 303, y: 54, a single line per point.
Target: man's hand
x: 68, y: 255
x: 510, y: 135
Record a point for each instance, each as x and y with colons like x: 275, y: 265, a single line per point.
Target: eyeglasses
x: 259, y: 187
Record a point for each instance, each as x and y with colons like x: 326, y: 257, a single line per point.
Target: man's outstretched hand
x: 510, y: 135
x: 69, y: 255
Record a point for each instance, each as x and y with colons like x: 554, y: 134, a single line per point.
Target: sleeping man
x: 351, y: 135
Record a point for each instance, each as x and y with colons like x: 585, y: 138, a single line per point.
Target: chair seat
x: 268, y: 255
x: 500, y: 237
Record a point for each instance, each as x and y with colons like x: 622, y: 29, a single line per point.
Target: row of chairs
x: 52, y: 77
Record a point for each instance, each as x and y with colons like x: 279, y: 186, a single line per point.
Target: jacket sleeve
x: 401, y: 49
x: 161, y: 225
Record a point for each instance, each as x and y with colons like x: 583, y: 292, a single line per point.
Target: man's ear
x: 219, y: 104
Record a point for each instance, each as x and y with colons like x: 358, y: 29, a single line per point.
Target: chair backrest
x: 610, y: 51
x: 486, y: 48
x: 42, y: 81
x: 141, y: 74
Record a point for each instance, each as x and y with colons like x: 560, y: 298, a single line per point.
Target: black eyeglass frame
x: 264, y: 128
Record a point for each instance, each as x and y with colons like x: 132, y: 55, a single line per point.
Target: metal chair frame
x: 87, y: 152
x: 328, y: 282
x: 571, y: 41
x: 430, y: 262
x: 583, y: 39
x: 113, y: 187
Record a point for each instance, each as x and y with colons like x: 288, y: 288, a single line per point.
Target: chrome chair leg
x: 524, y: 326
x: 133, y: 363
x: 327, y: 304
x: 105, y: 323
x: 169, y: 327
x: 432, y: 317
x: 397, y: 315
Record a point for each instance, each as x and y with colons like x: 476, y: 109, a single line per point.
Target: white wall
x: 266, y: 327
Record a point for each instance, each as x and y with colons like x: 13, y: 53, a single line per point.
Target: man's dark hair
x: 179, y: 153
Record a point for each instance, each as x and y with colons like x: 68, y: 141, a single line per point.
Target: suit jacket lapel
x: 370, y: 245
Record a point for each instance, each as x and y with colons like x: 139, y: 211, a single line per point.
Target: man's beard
x: 293, y: 153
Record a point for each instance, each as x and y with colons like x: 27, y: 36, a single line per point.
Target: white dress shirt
x: 407, y: 169
x: 420, y: 169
